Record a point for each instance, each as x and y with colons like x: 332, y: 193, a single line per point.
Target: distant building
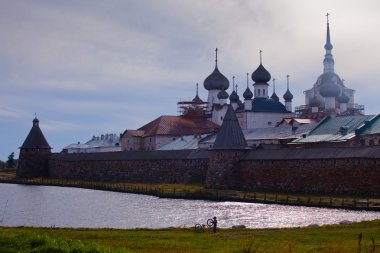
x: 343, y: 131
x: 185, y: 142
x: 103, y: 143
x: 256, y: 137
x: 165, y: 129
x: 329, y: 95
x: 258, y: 109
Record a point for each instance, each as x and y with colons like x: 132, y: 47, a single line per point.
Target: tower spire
x: 247, y: 79
x: 328, y: 62
x: 261, y: 60
x: 328, y: 45
x: 274, y: 85
x: 287, y: 81
x: 216, y: 57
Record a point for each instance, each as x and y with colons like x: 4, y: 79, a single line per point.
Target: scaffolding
x: 304, y: 111
x: 193, y: 108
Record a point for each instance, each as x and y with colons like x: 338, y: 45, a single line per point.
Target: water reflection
x: 72, y: 207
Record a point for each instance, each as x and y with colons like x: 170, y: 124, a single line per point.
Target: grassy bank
x: 337, y: 238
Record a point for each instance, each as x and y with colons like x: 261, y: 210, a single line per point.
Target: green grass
x: 335, y: 239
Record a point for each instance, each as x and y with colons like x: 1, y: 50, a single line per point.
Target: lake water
x: 24, y: 205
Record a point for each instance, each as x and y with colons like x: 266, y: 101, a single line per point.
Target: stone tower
x: 34, y: 154
x: 230, y: 145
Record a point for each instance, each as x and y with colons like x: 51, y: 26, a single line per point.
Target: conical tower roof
x: 230, y: 135
x: 35, y: 138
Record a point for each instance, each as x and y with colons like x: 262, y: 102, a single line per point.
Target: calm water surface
x: 74, y: 207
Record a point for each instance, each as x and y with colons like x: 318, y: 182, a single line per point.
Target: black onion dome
x: 247, y: 94
x: 261, y: 75
x: 197, y: 99
x: 275, y: 97
x: 330, y: 85
x: 223, y: 94
x: 234, y: 97
x: 315, y: 102
x: 288, y: 96
x: 343, y: 98
x: 216, y: 81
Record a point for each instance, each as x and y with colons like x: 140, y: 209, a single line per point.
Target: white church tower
x: 329, y: 95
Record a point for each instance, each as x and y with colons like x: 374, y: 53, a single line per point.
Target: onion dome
x: 261, y: 75
x: 329, y: 85
x: 275, y: 97
x: 343, y: 98
x: 216, y: 80
x: 223, y: 94
x: 247, y: 94
x: 234, y: 97
x: 314, y: 102
x: 288, y: 96
x: 197, y: 98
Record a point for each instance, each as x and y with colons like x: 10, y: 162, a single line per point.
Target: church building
x: 258, y: 109
x: 329, y: 95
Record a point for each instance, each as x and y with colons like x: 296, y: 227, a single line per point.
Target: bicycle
x: 200, y: 228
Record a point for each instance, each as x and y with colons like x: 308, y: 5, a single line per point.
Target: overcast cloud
x: 93, y: 67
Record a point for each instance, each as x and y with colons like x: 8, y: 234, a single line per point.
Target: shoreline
x: 324, y: 239
x: 190, y: 192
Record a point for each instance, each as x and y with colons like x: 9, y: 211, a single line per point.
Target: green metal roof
x: 370, y: 127
x: 336, y: 129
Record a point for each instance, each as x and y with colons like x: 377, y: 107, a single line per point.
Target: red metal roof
x: 178, y: 125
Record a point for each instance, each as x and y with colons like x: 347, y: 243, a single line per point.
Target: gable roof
x: 371, y: 126
x: 335, y: 129
x: 184, y: 142
x: 35, y: 138
x: 178, y: 126
x: 230, y: 135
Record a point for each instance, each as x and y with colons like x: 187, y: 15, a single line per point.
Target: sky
x: 91, y: 67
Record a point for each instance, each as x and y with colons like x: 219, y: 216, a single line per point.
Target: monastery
x: 259, y: 143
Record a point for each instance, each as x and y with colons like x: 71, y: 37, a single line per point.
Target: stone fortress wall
x: 185, y: 166
x: 309, y: 170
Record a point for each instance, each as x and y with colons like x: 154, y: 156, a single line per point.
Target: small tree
x: 11, y: 160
